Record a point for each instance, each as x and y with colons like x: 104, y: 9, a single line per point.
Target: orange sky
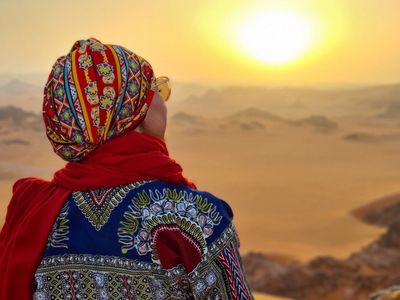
x: 190, y: 40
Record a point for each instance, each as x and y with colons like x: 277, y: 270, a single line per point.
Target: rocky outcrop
x: 372, y: 268
x: 320, y: 123
x: 382, y: 212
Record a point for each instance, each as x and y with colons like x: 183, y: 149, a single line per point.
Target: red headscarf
x: 95, y: 92
x: 93, y: 98
x: 36, y: 203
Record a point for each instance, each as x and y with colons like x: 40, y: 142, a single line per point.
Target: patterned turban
x: 95, y: 92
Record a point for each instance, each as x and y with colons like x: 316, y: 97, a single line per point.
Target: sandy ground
x: 258, y: 296
x: 291, y: 190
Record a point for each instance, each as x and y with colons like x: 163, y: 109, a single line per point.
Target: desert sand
x: 292, y: 163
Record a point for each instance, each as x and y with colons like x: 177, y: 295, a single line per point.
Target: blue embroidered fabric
x: 144, y: 240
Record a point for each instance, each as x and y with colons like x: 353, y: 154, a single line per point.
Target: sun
x: 275, y: 36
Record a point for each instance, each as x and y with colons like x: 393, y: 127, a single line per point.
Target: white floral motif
x: 152, y: 207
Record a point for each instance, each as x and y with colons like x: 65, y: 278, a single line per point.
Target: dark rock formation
x: 374, y: 267
x: 256, y: 114
x: 371, y: 138
x: 20, y: 142
x: 318, y: 122
x: 20, y: 118
x: 382, y: 212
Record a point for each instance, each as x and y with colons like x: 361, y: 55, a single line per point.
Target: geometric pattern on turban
x: 95, y: 92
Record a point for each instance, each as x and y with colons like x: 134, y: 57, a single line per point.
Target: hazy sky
x: 355, y: 41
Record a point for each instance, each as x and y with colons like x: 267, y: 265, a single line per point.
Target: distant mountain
x: 255, y: 114
x: 254, y: 125
x: 22, y: 94
x: 366, y: 137
x: 380, y: 102
x: 14, y: 113
x: 181, y: 90
x: 295, y: 102
x: 375, y: 96
x: 186, y: 118
x: 253, y: 118
x: 319, y: 123
x: 222, y: 102
x: 19, y: 117
x: 15, y: 141
x: 35, y: 78
x: 17, y: 86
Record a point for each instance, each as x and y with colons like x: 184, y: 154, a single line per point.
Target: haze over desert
x: 289, y: 110
x: 293, y: 163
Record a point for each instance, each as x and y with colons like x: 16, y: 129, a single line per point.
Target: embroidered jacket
x: 144, y: 240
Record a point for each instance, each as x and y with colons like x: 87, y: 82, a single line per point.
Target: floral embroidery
x: 152, y: 208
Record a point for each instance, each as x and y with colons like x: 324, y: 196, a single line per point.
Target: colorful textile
x: 391, y: 293
x: 36, y: 203
x: 95, y: 92
x: 144, y: 240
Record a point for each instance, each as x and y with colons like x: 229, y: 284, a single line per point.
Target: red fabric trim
x: 36, y: 203
x: 174, y: 246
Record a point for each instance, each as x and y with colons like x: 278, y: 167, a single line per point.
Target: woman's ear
x: 139, y: 128
x: 155, y: 122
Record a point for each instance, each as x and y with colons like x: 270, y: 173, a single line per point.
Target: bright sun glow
x: 275, y: 36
